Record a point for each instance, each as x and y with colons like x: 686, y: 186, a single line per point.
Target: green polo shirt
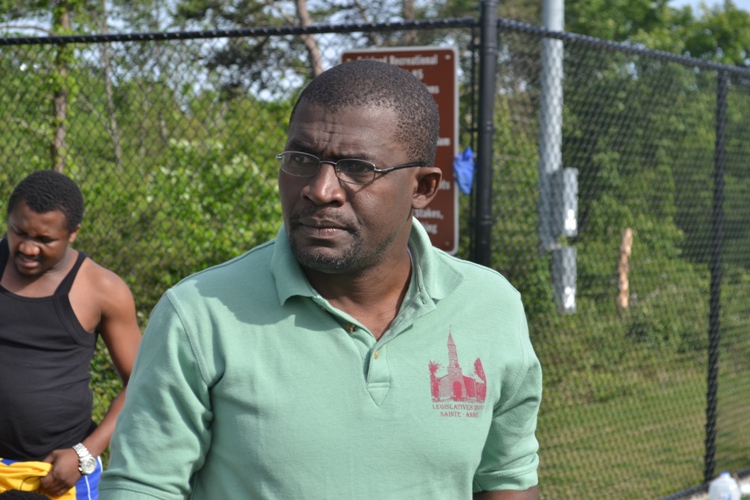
x: 250, y: 385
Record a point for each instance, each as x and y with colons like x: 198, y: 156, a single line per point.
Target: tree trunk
x: 410, y: 37
x: 313, y: 51
x: 114, y: 130
x: 60, y: 97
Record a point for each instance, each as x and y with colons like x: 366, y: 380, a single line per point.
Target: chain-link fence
x: 661, y: 261
x: 172, y: 137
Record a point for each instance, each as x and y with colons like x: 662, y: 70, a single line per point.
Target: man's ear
x: 73, y: 234
x: 428, y: 184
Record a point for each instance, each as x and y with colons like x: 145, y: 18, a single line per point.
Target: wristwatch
x: 86, y: 462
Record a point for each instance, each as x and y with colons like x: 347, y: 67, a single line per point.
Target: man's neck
x: 373, y: 297
x: 41, y: 285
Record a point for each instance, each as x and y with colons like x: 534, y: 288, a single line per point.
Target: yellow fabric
x: 25, y: 476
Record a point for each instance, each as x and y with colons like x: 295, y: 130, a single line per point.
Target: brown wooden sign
x: 437, y: 69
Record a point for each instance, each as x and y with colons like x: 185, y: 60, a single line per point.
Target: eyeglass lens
x: 307, y: 165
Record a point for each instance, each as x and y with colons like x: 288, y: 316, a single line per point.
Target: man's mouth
x: 320, y: 230
x: 318, y: 221
x: 26, y: 262
x: 317, y: 227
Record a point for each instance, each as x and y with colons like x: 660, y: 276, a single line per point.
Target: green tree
x: 720, y: 34
x: 60, y: 83
x: 249, y: 56
x: 616, y: 20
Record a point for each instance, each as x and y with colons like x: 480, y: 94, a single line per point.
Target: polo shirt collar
x: 435, y: 277
x: 435, y: 272
x: 286, y: 271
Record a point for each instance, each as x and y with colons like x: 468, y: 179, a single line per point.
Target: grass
x: 646, y: 444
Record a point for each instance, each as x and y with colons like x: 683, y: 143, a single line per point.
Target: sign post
x: 436, y: 68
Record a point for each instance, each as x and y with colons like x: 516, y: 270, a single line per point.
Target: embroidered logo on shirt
x: 454, y: 393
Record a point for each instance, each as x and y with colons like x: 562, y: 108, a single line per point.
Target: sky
x: 741, y: 4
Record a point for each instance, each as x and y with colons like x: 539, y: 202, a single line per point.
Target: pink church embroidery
x: 455, y: 386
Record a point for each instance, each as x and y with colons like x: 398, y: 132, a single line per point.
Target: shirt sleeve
x: 509, y: 459
x: 163, y: 431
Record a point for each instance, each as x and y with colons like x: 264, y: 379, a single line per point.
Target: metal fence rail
x: 172, y: 136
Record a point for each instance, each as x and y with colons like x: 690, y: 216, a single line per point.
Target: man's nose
x: 325, y: 187
x: 28, y: 247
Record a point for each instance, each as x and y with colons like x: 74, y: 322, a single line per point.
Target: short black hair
x: 46, y: 191
x: 22, y: 495
x: 370, y: 83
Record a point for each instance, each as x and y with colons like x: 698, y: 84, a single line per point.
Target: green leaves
x: 721, y: 34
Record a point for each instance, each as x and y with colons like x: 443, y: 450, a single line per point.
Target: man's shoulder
x: 250, y: 267
x: 93, y: 271
x: 237, y: 286
x: 476, y: 276
x: 102, y: 300
x: 101, y: 285
x: 100, y: 280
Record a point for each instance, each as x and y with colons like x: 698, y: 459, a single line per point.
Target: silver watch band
x: 82, y: 451
x: 86, y: 462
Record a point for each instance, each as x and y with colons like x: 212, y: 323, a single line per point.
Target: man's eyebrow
x: 298, y: 146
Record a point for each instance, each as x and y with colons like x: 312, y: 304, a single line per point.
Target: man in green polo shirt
x: 347, y: 358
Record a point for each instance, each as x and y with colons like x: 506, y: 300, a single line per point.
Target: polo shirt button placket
x: 378, y: 376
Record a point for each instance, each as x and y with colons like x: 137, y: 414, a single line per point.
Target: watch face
x: 88, y: 465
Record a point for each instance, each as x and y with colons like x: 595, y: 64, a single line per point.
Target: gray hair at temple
x: 369, y: 83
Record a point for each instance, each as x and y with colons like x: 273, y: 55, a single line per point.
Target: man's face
x: 37, y: 241
x: 335, y: 227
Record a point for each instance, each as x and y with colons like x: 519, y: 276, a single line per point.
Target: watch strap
x: 82, y: 451
x: 86, y: 461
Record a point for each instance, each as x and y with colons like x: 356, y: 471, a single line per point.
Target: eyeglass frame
x: 337, y: 169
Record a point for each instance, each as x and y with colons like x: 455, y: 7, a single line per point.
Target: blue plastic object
x: 463, y: 167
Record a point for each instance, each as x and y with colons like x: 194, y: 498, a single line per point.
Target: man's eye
x: 303, y: 160
x: 356, y: 167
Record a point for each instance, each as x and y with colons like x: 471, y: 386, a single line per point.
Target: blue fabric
x: 463, y: 166
x: 87, y: 488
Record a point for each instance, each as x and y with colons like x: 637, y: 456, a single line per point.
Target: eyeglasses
x: 349, y: 170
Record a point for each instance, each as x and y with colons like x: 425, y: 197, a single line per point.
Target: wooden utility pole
x: 623, y: 267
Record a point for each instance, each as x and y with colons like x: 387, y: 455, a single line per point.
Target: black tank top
x: 45, y: 399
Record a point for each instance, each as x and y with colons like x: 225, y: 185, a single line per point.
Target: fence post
x: 717, y: 234
x: 487, y: 77
x: 550, y: 123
